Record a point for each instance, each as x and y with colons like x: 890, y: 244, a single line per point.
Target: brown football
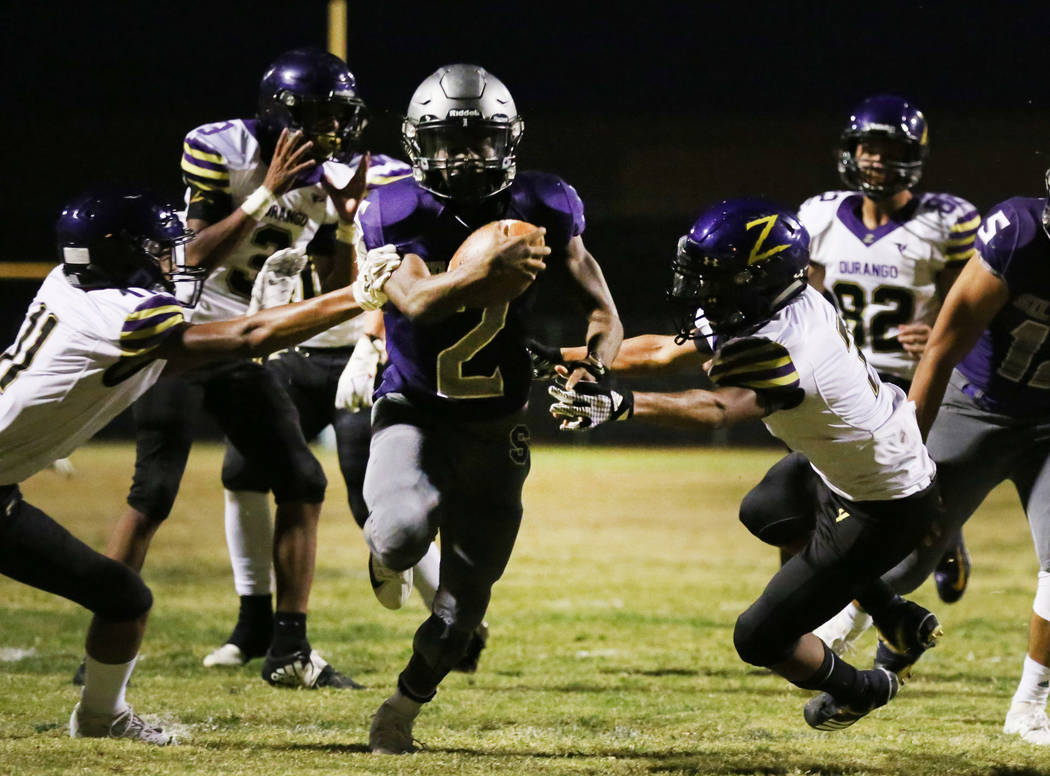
x: 480, y: 242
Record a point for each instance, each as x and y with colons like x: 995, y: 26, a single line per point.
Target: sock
x: 427, y: 574
x: 1034, y: 685
x: 254, y: 627
x: 249, y: 539
x: 838, y: 678
x: 289, y: 633
x: 105, y: 685
x: 404, y: 704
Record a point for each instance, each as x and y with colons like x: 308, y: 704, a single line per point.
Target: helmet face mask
x: 461, y: 134
x: 312, y: 91
x: 741, y: 262
x: 884, y: 147
x: 116, y: 238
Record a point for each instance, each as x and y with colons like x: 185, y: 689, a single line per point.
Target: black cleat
x: 906, y: 631
x: 952, y: 574
x: 468, y: 664
x: 823, y: 712
x: 305, y: 669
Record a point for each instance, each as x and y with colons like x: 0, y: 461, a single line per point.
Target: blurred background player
x: 888, y: 255
x: 450, y: 450
x: 989, y: 358
x: 100, y: 331
x: 256, y: 186
x: 780, y: 353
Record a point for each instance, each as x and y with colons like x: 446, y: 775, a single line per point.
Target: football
x: 482, y: 241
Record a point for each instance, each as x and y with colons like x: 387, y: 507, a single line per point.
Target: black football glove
x: 589, y: 404
x: 544, y: 358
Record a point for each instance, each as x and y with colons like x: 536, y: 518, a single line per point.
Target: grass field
x: 611, y: 648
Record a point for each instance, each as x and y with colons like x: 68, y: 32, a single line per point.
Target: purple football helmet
x: 743, y: 260
x: 126, y: 238
x: 313, y: 91
x: 901, y: 129
x: 461, y: 133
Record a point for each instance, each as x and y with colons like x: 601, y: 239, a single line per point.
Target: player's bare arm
x: 215, y: 241
x: 970, y: 306
x: 422, y: 296
x: 700, y: 409
x: 604, y: 330
x: 649, y: 355
x: 337, y: 270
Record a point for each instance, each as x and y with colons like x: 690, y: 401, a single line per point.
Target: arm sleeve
x: 149, y: 325
x: 208, y: 180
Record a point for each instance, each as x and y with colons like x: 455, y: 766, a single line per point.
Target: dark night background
x: 651, y: 112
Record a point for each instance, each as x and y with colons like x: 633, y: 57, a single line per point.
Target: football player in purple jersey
x: 450, y: 449
x: 254, y: 187
x: 103, y: 327
x: 989, y: 358
x: 867, y: 489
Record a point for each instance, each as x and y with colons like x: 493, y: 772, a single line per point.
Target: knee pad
x: 305, y: 481
x: 119, y: 594
x: 756, y: 644
x: 398, y: 550
x: 1041, y: 604
x: 765, y: 518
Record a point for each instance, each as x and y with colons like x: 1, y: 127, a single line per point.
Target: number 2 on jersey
x: 451, y: 382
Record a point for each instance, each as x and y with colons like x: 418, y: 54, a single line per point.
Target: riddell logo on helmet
x: 460, y: 112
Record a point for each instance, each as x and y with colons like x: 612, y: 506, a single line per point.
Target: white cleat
x: 843, y: 631
x: 127, y: 724
x: 1029, y: 721
x: 392, y: 588
x: 391, y: 731
x: 226, y: 655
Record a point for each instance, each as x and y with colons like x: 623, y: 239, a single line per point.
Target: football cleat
x: 226, y: 655
x: 305, y: 669
x: 843, y: 631
x: 468, y: 664
x: 391, y: 731
x: 1029, y: 721
x: 127, y: 724
x: 906, y: 631
x: 952, y: 573
x: 392, y: 588
x: 823, y: 712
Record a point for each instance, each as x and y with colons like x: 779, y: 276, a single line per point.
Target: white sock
x: 427, y: 574
x: 249, y: 539
x: 1035, y: 683
x: 105, y: 685
x: 404, y: 704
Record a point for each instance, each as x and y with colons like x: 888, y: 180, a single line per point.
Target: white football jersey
x: 225, y: 158
x: 859, y: 434
x: 886, y: 277
x: 80, y: 358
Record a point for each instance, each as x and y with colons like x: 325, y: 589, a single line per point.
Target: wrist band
x: 258, y: 202
x: 346, y: 233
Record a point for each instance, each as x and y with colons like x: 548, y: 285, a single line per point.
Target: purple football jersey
x: 1009, y: 368
x: 471, y: 364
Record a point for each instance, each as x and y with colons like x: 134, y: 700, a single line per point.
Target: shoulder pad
x: 1009, y: 226
x: 546, y: 200
x: 818, y: 213
x: 394, y: 212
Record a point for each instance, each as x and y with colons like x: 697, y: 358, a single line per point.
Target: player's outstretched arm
x: 972, y: 302
x: 277, y: 327
x: 425, y: 297
x: 604, y: 329
x: 649, y: 355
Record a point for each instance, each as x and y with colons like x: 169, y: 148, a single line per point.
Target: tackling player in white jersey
x: 101, y: 330
x: 781, y: 353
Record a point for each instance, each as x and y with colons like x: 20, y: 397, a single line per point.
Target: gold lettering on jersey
x: 289, y: 216
x: 757, y: 254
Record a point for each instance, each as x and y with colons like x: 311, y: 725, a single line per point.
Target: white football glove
x: 276, y: 281
x: 588, y: 405
x: 372, y: 274
x: 358, y: 379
